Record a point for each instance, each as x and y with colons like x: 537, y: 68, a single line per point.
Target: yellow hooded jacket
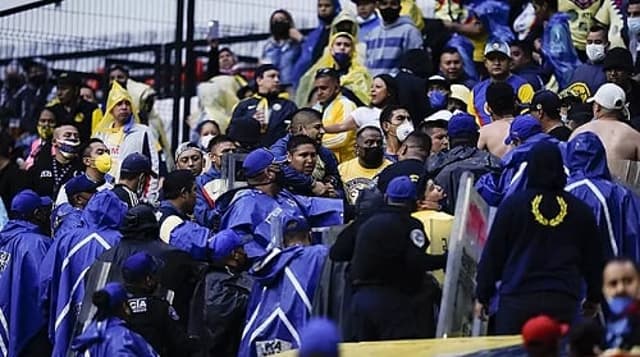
x: 357, y: 79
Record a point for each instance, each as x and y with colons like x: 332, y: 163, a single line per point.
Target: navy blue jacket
x: 280, y: 111
x: 301, y: 183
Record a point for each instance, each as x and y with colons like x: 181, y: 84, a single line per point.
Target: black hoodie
x: 535, y: 244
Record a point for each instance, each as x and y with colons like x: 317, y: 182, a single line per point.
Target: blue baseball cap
x: 27, y: 201
x: 402, y: 188
x: 296, y: 224
x: 258, y: 160
x: 319, y: 337
x: 522, y: 128
x: 78, y: 184
x: 138, y: 266
x: 224, y: 242
x: 137, y: 163
x: 462, y: 124
x: 117, y: 294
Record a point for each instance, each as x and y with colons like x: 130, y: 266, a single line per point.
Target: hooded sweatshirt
x: 387, y: 43
x: 22, y: 248
x: 104, y: 214
x: 542, y: 239
x: 616, y: 209
x: 111, y: 337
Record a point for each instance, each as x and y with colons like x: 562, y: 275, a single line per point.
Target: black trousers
x: 515, y: 310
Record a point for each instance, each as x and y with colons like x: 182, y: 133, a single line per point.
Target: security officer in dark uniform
x: 152, y: 316
x: 268, y: 107
x: 388, y: 269
x: 70, y: 109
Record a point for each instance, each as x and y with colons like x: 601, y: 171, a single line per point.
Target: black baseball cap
x: 618, y: 58
x: 548, y: 102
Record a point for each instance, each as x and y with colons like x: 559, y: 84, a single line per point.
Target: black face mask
x: 373, y: 156
x: 390, y: 14
x: 280, y: 29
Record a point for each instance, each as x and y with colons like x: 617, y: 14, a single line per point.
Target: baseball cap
x: 263, y: 68
x: 462, y: 124
x: 618, y: 58
x: 67, y: 79
x: 319, y: 337
x: 547, y: 101
x: 140, y: 221
x: 258, y: 160
x: 437, y: 79
x: 543, y: 330
x: 369, y: 126
x: 137, y: 163
x: 78, y: 184
x: 117, y: 294
x: 610, y: 96
x: 138, y: 266
x: 296, y: 224
x: 443, y: 115
x: 461, y: 93
x: 402, y: 188
x: 186, y: 147
x: 224, y: 242
x: 522, y: 128
x: 327, y: 72
x: 497, y: 46
x: 27, y: 201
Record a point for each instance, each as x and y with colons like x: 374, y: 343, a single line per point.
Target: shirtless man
x: 501, y: 103
x: 621, y: 141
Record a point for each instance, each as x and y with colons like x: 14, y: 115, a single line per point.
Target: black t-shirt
x: 411, y: 167
x: 11, y: 182
x: 561, y: 133
x: 47, y: 175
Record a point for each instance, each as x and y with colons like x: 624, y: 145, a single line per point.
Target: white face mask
x: 403, y: 130
x: 634, y: 25
x: 205, y: 140
x: 595, y: 52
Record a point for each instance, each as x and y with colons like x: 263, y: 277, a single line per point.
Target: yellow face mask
x: 103, y: 163
x: 45, y: 132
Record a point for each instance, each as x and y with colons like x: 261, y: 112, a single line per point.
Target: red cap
x: 543, y: 329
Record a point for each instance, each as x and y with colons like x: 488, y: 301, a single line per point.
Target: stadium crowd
x: 114, y: 243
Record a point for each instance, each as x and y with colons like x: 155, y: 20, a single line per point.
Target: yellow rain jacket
x: 410, y: 9
x: 343, y: 144
x: 217, y: 98
x: 141, y: 93
x: 357, y: 79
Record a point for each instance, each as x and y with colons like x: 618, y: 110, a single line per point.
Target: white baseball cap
x: 610, y: 96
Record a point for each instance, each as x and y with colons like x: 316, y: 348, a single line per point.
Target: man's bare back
x: 492, y: 137
x: 621, y: 141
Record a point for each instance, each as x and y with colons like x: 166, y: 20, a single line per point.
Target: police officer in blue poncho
x: 254, y: 211
x: 77, y: 251
x: 524, y: 133
x: 22, y: 248
x: 108, y: 335
x: 68, y: 215
x: 616, y: 208
x: 285, y: 284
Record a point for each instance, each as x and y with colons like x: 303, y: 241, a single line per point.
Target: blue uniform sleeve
x: 300, y: 182
x: 192, y: 238
x: 204, y: 211
x: 489, y: 187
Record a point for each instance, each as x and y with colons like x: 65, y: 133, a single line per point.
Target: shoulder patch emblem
x: 417, y: 237
x: 138, y: 305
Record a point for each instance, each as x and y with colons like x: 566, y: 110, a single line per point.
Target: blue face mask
x: 619, y: 304
x: 342, y: 59
x: 634, y: 25
x: 438, y: 100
